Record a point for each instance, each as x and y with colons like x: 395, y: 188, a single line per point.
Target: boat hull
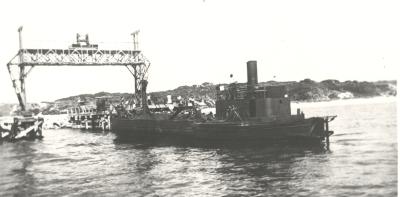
x: 311, y: 129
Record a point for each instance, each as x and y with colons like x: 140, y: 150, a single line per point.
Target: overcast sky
x: 194, y: 41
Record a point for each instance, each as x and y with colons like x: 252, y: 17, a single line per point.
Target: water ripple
x: 362, y: 161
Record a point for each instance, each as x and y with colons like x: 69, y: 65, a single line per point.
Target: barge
x: 245, y: 112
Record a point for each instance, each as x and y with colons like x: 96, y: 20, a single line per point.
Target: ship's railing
x: 242, y: 91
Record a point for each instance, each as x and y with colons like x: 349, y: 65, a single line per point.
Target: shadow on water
x: 228, y: 168
x: 182, y: 143
x: 21, y: 157
x: 254, y: 171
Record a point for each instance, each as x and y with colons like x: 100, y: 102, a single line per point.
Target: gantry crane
x: 81, y: 53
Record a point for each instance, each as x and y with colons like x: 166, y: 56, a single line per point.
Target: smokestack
x: 252, y: 78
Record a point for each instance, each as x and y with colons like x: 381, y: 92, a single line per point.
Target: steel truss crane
x: 78, y: 54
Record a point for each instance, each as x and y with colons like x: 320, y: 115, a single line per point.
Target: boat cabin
x: 251, y: 101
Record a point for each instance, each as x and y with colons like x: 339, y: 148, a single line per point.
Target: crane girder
x: 29, y: 58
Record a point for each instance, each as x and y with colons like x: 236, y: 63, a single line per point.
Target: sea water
x: 362, y: 160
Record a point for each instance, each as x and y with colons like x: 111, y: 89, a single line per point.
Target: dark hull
x: 311, y: 129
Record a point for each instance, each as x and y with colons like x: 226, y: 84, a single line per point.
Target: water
x: 362, y: 161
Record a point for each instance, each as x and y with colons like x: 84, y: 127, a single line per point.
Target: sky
x: 194, y: 41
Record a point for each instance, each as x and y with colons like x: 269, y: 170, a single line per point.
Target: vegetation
x: 304, y: 90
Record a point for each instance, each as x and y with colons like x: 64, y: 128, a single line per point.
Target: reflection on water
x: 362, y: 160
x: 14, y: 169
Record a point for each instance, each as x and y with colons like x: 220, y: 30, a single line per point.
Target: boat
x: 22, y: 128
x: 244, y: 112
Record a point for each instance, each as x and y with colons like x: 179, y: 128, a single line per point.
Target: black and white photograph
x: 199, y: 98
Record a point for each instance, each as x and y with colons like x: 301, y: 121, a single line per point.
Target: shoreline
x: 295, y: 104
x: 351, y: 101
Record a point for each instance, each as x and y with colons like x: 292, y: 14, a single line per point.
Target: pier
x: 80, y: 53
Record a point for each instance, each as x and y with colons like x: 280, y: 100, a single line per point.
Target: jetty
x: 80, y: 53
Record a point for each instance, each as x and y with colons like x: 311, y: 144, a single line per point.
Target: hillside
x: 305, y: 90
